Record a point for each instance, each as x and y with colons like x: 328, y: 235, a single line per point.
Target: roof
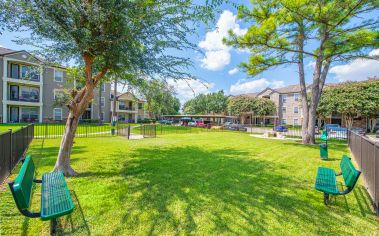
x: 7, y: 51
x: 289, y: 89
x: 4, y: 51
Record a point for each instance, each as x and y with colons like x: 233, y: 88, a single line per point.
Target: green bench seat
x: 55, y: 197
x: 326, y: 179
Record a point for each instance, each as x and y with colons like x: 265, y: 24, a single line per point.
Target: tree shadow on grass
x: 74, y: 223
x: 184, y: 189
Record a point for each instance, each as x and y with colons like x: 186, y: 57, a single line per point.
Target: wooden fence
x: 366, y: 155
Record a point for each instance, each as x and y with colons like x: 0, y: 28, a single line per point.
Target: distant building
x: 129, y: 108
x: 289, y: 112
x: 288, y: 106
x: 29, y: 86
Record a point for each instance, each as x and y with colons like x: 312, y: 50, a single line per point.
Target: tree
x: 160, y: 98
x: 118, y: 36
x: 216, y: 102
x: 351, y: 99
x: 244, y: 104
x: 288, y: 31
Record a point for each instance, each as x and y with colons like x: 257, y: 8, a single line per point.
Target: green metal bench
x: 55, y: 198
x: 326, y: 180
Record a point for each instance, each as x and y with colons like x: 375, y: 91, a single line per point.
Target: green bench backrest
x: 349, y: 173
x: 22, y: 186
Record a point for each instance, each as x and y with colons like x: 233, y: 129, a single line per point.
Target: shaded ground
x: 207, y: 183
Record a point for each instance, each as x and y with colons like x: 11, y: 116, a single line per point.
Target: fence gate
x: 149, y: 131
x: 123, y: 130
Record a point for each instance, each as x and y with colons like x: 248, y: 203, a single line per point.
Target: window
x: 102, y: 101
x: 284, y: 121
x: 102, y: 87
x: 15, y: 71
x: 57, y: 114
x: 28, y: 94
x: 284, y: 109
x: 295, y: 121
x: 58, y: 76
x: 58, y: 93
x: 30, y: 73
x: 140, y: 106
x: 29, y: 114
x: 296, y: 110
x: 121, y: 105
x: 284, y: 98
x: 13, y: 93
x: 296, y: 96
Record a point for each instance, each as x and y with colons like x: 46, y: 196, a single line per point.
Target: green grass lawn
x: 205, y: 183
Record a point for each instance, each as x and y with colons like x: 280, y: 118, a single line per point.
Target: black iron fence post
x: 10, y: 151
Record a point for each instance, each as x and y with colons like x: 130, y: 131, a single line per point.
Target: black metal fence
x: 149, y: 131
x: 366, y: 155
x: 84, y: 130
x: 291, y: 132
x: 13, y: 146
x: 123, y: 130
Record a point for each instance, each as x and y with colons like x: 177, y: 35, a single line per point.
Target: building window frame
x: 102, y: 87
x: 56, y: 78
x: 102, y: 101
x: 297, y: 122
x: 284, y: 121
x: 296, y: 97
x: 296, y: 110
x: 284, y: 110
x: 55, y: 110
x: 284, y: 98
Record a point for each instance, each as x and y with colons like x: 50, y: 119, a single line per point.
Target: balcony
x: 125, y: 108
x: 20, y: 72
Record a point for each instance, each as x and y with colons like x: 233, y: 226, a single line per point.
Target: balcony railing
x: 125, y: 108
x: 24, y: 99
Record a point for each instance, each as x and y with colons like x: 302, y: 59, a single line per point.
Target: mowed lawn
x: 203, y: 184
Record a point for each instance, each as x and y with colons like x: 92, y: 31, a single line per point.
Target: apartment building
x: 29, y: 88
x: 129, y: 108
x: 288, y: 106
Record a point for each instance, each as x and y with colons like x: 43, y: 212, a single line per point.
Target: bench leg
x: 326, y: 198
x: 53, y: 226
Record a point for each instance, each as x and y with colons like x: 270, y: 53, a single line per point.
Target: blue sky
x: 218, y: 68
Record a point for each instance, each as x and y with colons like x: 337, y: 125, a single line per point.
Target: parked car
x: 377, y: 133
x: 337, y: 132
x: 200, y: 124
x: 330, y: 126
x: 192, y: 123
x: 280, y: 128
x: 163, y: 122
x: 359, y: 131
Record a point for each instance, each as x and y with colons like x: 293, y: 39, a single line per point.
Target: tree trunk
x: 80, y: 101
x: 100, y: 108
x: 114, y: 113
x: 63, y: 160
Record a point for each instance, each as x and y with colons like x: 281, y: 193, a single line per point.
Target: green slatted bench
x: 326, y: 180
x: 55, y: 197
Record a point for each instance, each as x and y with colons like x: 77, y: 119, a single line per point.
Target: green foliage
x: 62, y: 98
x: 140, y: 38
x: 351, y: 99
x: 281, y: 28
x: 243, y: 104
x: 207, y: 103
x: 160, y: 98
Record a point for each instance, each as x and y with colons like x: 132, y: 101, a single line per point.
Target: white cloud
x: 217, y: 54
x: 242, y: 87
x: 1, y: 46
x: 311, y: 64
x: 358, y: 69
x: 188, y: 90
x: 233, y: 71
